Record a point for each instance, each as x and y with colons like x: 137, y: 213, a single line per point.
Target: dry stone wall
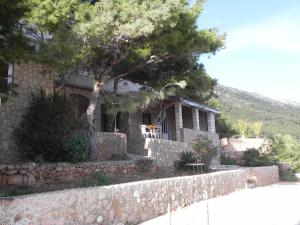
x: 129, y: 203
x: 51, y: 173
x: 262, y: 176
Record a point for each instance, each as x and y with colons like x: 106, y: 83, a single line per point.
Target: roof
x: 87, y: 82
x: 198, y: 106
x: 125, y: 86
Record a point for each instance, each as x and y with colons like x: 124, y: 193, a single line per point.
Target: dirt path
x: 277, y: 204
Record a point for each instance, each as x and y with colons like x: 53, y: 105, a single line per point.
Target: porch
x: 184, y: 121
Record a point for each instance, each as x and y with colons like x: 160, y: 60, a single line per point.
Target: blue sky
x: 262, y: 51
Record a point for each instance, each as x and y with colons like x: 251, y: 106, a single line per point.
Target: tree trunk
x: 115, y: 112
x: 91, y: 119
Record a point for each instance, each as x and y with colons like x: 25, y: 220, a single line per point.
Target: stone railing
x: 51, y: 173
x: 189, y: 135
x: 165, y: 152
x: 111, y: 144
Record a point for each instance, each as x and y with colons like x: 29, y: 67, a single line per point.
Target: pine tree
x: 154, y: 43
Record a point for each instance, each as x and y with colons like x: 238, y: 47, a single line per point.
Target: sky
x: 262, y: 52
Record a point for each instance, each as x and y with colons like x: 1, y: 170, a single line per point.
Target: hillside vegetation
x: 276, y: 116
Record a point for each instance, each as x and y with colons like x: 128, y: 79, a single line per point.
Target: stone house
x: 184, y: 120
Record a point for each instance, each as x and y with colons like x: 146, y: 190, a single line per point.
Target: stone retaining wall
x: 263, y: 176
x: 125, y: 203
x: 51, y: 173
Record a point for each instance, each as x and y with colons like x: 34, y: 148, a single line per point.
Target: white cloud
x: 280, y: 32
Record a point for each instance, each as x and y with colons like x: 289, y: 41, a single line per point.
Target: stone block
x: 15, y: 179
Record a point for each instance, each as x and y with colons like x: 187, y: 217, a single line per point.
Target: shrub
x: 286, y: 149
x: 225, y: 160
x: 252, y: 157
x: 205, y: 149
x: 49, y: 119
x: 144, y: 165
x: 75, y: 148
x: 184, y: 158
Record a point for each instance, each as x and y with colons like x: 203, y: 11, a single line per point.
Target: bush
x: 205, y: 149
x: 76, y: 148
x: 228, y: 160
x: 49, y: 119
x: 286, y: 149
x: 184, y: 158
x: 252, y: 157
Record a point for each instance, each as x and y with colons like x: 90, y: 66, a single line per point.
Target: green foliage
x: 252, y: 157
x: 289, y: 176
x: 241, y: 126
x: 224, y: 127
x: 16, y: 191
x: 256, y: 128
x: 152, y: 43
x: 184, y: 158
x: 277, y: 117
x: 94, y: 180
x: 205, y: 149
x: 286, y: 149
x: 228, y: 161
x: 48, y: 120
x: 76, y: 148
x: 12, y: 41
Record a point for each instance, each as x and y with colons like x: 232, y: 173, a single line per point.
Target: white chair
x: 145, y: 132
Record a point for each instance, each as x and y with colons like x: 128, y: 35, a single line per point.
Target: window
x: 5, y: 77
x: 147, y: 118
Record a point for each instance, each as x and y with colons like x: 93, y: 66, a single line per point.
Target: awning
x: 198, y: 106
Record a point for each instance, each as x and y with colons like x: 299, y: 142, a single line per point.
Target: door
x: 164, y: 129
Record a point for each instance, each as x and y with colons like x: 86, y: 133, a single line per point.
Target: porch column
x: 178, y: 120
x: 196, y: 121
x: 211, y: 124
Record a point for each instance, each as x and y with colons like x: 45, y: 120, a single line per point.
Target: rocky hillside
x: 277, y: 116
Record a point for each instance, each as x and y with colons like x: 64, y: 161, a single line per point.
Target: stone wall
x: 28, y: 78
x: 51, y: 173
x: 189, y: 135
x: 262, y: 176
x: 111, y: 145
x: 129, y: 203
x: 165, y: 152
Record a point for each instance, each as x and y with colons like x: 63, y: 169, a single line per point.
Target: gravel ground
x: 277, y: 204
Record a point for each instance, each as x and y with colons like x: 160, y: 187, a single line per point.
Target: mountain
x: 277, y: 116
